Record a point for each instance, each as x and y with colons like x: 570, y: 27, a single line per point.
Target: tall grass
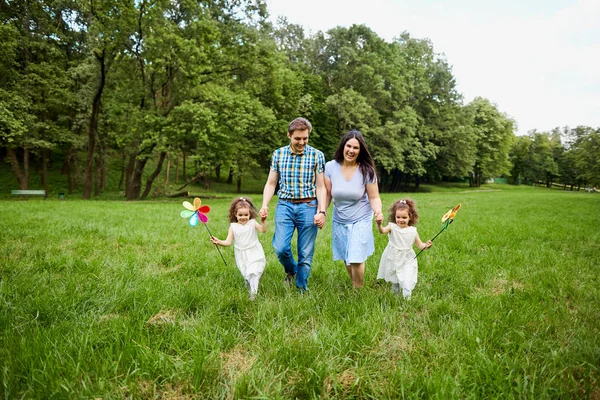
x: 125, y: 300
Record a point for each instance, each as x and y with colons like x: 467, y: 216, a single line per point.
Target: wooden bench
x: 27, y: 193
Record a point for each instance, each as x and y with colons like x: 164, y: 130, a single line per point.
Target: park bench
x: 27, y: 193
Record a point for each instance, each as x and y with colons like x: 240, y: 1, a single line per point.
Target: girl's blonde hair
x: 241, y: 202
x: 405, y: 204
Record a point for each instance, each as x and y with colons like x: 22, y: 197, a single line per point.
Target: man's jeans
x: 290, y: 216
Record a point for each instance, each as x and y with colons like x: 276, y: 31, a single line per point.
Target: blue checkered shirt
x: 297, y: 172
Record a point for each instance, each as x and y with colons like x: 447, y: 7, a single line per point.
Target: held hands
x: 378, y: 217
x: 319, y: 220
x: 264, y: 212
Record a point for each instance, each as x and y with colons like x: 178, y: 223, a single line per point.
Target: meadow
x: 114, y: 299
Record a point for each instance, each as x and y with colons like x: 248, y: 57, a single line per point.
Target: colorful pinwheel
x: 447, y: 219
x: 195, y: 213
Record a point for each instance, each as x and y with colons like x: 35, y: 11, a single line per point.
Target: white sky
x: 537, y: 60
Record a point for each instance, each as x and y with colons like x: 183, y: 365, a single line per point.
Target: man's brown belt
x: 296, y: 201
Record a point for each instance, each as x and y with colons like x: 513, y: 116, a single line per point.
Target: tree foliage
x: 215, y: 84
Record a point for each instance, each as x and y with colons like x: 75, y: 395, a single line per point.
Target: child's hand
x: 214, y: 240
x: 263, y: 219
x: 428, y: 244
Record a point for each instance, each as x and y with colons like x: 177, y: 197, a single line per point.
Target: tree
x: 493, y: 139
x: 587, y: 158
x: 37, y: 46
x: 519, y: 158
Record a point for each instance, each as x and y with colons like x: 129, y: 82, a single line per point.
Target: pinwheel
x: 447, y: 219
x: 197, y: 212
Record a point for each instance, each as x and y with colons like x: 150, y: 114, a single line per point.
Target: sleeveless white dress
x: 398, y: 263
x: 249, y: 254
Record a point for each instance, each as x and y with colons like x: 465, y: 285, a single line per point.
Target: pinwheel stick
x: 437, y: 234
x: 218, y: 249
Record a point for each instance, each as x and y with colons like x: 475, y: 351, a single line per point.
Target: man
x: 298, y: 168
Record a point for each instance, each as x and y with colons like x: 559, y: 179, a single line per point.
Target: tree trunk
x: 97, y: 174
x: 93, y: 127
x: 129, y: 172
x: 396, y: 179
x: 179, y: 194
x: 153, y: 176
x: 177, y: 170
x: 14, y: 163
x: 239, y: 184
x: 184, y: 174
x: 45, y: 170
x: 133, y: 192
x: 194, y: 179
x: 230, y: 177
x: 26, y: 166
x: 168, y: 170
x: 122, y: 178
x: 103, y: 168
x: 67, y: 170
x: 75, y: 171
x: 218, y: 172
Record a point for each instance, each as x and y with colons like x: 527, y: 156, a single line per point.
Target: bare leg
x: 357, y: 273
x: 349, y: 269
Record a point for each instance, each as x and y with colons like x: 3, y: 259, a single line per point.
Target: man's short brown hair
x: 299, y: 124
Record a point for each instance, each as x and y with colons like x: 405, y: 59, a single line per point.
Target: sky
x: 537, y: 60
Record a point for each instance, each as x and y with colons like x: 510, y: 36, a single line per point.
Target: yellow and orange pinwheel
x: 451, y: 214
x: 447, y: 219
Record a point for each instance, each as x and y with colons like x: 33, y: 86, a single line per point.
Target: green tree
x: 38, y: 45
x: 587, y: 159
x: 519, y: 158
x: 493, y: 139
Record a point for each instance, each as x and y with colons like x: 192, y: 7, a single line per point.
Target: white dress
x: 249, y: 254
x: 398, y: 263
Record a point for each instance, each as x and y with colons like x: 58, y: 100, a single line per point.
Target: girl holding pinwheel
x: 398, y: 263
x: 249, y: 254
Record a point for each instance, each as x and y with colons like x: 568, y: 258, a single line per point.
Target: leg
x: 357, y: 274
x: 253, y: 281
x: 282, y: 238
x: 396, y: 288
x: 307, y: 233
x: 361, y: 245
x: 406, y: 293
x: 349, y: 269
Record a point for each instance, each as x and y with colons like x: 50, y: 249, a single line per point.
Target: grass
x: 124, y: 300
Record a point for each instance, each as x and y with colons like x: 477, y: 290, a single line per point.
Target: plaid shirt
x: 297, y: 172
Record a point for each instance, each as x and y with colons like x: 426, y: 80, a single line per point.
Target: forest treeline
x: 214, y: 84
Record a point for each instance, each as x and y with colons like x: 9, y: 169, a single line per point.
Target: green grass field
x: 118, y: 300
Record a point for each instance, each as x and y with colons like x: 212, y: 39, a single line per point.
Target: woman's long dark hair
x: 364, y: 160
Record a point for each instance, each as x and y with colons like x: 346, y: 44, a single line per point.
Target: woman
x: 351, y: 180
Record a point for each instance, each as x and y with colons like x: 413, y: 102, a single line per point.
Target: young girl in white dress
x: 249, y: 254
x: 398, y: 264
